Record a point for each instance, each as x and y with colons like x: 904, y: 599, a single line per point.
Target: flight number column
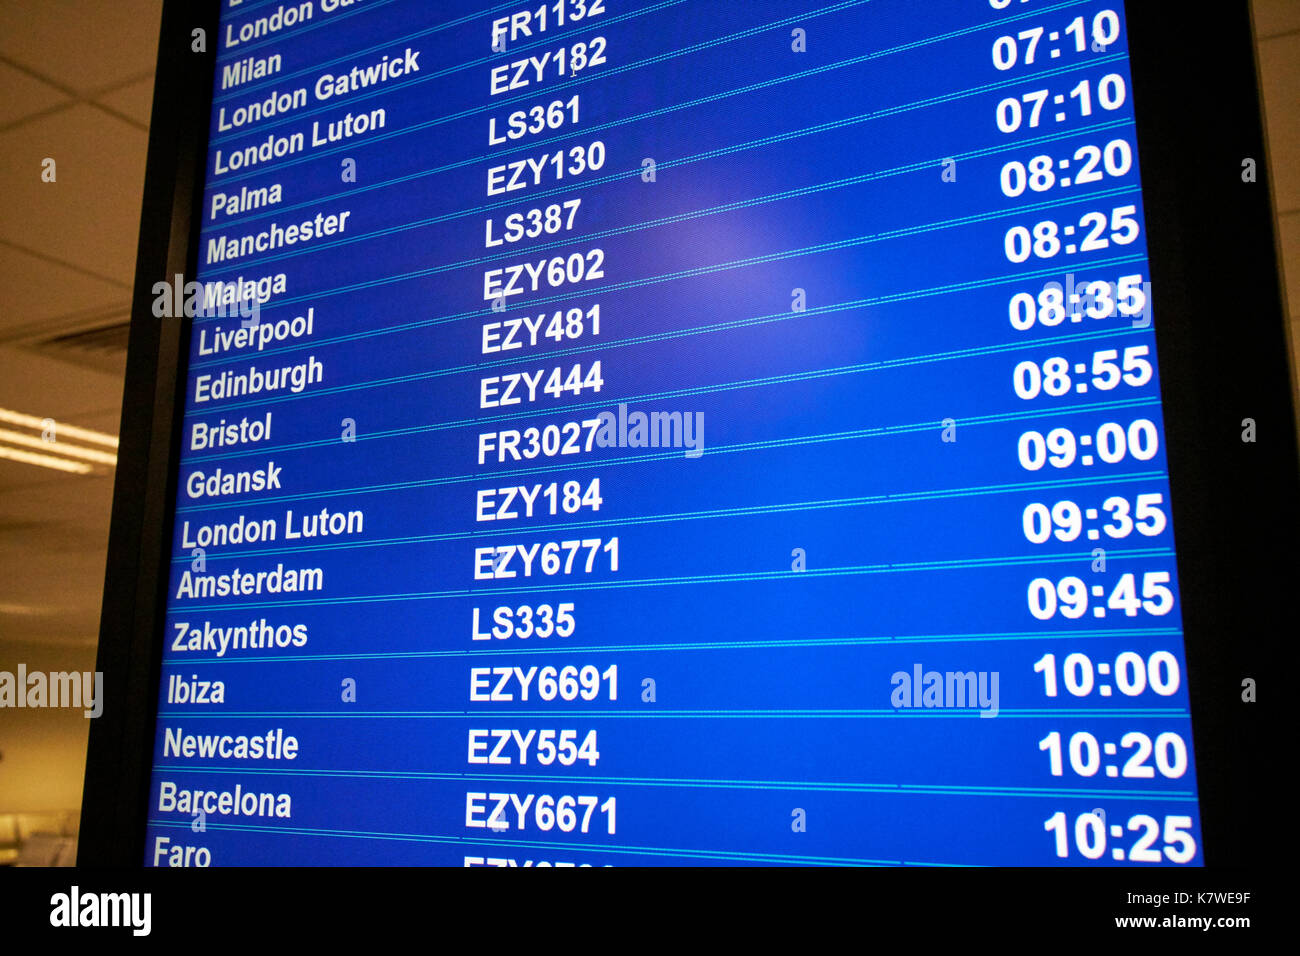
x: 556, y: 285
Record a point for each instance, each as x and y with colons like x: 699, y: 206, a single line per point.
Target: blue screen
x: 672, y: 432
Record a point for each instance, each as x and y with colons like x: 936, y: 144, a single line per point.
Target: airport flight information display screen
x: 626, y: 432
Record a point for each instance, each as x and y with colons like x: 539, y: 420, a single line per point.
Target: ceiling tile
x: 1279, y: 68
x: 86, y: 45
x: 36, y: 291
x: 90, y: 216
x: 37, y: 385
x: 44, y: 498
x: 1289, y: 230
x: 53, y: 540
x: 22, y: 95
x: 1276, y: 16
x: 134, y: 100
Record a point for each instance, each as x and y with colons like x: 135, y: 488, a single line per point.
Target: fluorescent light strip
x: 26, y: 610
x: 58, y: 448
x: 72, y: 431
x: 45, y: 461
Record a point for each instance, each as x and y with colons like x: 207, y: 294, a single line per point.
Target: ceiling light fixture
x: 45, y: 461
x: 71, y: 431
x: 57, y: 448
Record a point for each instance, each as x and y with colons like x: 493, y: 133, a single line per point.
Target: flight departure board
x: 671, y: 432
